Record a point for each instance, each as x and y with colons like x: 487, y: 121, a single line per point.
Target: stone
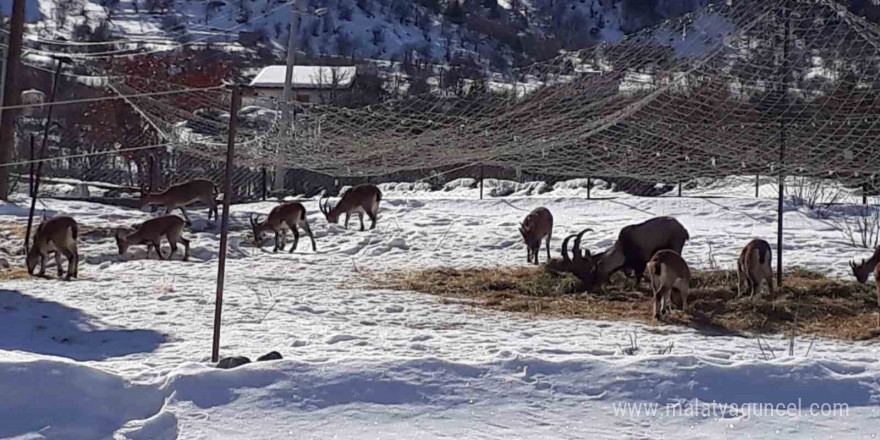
x: 271, y: 356
x: 232, y: 362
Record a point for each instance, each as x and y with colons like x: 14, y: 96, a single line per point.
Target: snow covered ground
x: 124, y: 351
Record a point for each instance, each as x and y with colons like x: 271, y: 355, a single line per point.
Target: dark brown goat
x: 635, y: 246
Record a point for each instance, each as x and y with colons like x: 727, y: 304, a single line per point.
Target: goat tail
x: 74, y: 230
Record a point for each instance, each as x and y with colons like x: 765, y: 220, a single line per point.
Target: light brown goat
x: 668, y: 271
x: 57, y: 234
x: 537, y: 226
x: 283, y: 217
x: 150, y: 233
x: 359, y: 199
x: 179, y: 196
x: 753, y: 268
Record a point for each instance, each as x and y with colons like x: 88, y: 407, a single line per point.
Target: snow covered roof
x: 306, y: 77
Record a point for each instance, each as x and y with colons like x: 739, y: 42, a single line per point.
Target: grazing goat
x: 863, y: 270
x: 578, y: 263
x: 57, y: 234
x: 359, y: 199
x: 538, y: 225
x: 179, y: 196
x: 150, y: 233
x: 753, y: 268
x: 877, y: 283
x: 635, y: 246
x: 283, y: 217
x: 668, y: 271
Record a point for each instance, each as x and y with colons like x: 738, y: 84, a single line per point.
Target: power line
x: 76, y: 156
x: 107, y: 98
x: 127, y: 52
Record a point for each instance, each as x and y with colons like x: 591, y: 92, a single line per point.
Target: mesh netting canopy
x: 740, y: 87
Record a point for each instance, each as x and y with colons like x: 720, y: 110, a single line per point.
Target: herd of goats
x: 654, y: 246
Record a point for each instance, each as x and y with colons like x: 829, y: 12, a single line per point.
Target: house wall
x: 313, y: 96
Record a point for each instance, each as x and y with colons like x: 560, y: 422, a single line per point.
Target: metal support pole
x: 11, y: 95
x: 782, y: 139
x: 757, y: 184
x: 864, y: 194
x: 589, y: 186
x: 42, y: 153
x: 779, y: 210
x: 224, y: 228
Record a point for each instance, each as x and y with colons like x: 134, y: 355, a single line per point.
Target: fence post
x: 224, y: 228
x: 589, y: 186
x: 34, y: 187
x: 52, y: 94
x: 481, y: 181
x: 33, y: 172
x: 864, y: 194
x: 265, y: 184
x: 757, y: 184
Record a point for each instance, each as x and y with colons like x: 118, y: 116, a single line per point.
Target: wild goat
x: 538, y: 225
x: 283, y: 217
x: 864, y: 269
x: 359, y: 199
x: 753, y: 268
x: 668, y: 271
x: 635, y: 246
x: 150, y: 233
x: 578, y: 264
x: 179, y: 196
x: 877, y: 282
x: 57, y: 234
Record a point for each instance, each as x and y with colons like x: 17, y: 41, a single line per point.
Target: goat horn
x: 565, y: 249
x: 576, y: 250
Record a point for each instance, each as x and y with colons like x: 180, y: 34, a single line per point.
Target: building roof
x: 306, y: 77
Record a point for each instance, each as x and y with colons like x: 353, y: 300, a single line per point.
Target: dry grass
x: 14, y: 273
x: 14, y: 229
x: 18, y: 230
x: 809, y: 302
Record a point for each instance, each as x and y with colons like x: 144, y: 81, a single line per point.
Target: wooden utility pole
x: 224, y: 228
x: 287, y: 95
x: 11, y: 95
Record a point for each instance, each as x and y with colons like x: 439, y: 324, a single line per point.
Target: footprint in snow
x: 342, y: 338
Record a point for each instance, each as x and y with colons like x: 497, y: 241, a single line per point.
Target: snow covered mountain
x: 496, y: 33
x: 500, y: 33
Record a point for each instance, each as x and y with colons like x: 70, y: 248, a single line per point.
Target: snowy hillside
x: 496, y: 33
x: 123, y: 352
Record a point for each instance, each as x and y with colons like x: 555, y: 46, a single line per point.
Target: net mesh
x: 717, y: 92
x: 743, y: 87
